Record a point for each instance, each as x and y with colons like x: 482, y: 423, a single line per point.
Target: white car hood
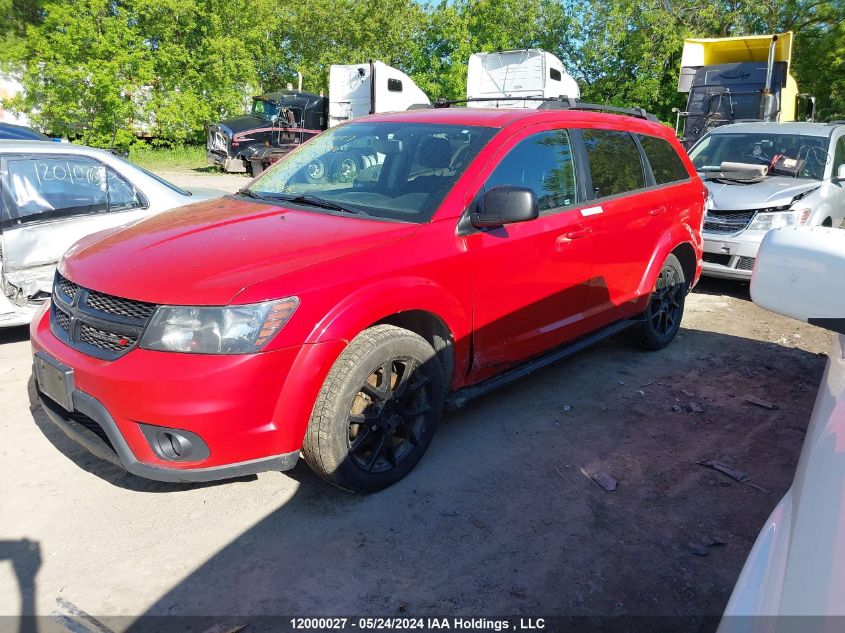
x: 774, y: 191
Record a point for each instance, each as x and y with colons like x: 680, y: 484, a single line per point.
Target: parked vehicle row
x: 335, y: 317
x: 281, y: 121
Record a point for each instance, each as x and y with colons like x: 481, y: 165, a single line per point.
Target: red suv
x: 336, y: 315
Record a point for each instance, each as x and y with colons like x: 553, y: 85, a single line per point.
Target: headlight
x: 768, y: 221
x: 226, y: 330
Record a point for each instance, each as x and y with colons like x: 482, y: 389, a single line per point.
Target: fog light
x: 174, y: 445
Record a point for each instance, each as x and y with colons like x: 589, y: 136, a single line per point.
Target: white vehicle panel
x: 351, y: 91
x: 522, y: 73
x: 797, y: 564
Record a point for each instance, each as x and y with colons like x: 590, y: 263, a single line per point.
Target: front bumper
x: 231, y: 403
x: 107, y: 442
x: 730, y: 257
x: 231, y: 165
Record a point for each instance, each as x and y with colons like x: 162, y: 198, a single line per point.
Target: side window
x: 50, y: 187
x: 394, y: 85
x: 122, y: 195
x: 542, y: 162
x: 614, y: 161
x: 665, y: 163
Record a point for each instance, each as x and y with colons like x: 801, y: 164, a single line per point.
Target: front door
x: 531, y: 278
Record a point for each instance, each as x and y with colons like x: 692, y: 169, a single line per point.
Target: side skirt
x: 459, y: 398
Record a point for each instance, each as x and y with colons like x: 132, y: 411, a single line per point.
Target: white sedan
x: 797, y: 565
x: 56, y: 193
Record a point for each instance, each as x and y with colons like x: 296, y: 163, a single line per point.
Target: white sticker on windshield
x: 591, y: 211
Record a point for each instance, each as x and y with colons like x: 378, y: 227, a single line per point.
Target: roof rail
x: 557, y: 103
x: 836, y: 122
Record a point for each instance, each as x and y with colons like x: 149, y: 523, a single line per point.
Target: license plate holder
x: 55, y: 380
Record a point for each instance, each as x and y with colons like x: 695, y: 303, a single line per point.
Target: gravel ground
x: 500, y: 517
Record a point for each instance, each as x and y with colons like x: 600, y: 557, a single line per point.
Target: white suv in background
x: 763, y: 176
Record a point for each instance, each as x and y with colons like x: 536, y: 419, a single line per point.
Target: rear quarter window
x: 665, y: 163
x: 614, y: 160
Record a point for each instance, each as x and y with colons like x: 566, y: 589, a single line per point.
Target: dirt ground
x: 498, y: 518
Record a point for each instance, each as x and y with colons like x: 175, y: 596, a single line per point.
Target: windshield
x: 393, y: 170
x: 808, y: 152
x: 264, y: 109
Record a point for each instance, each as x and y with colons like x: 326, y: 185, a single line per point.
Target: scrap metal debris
x: 733, y: 473
x: 602, y: 479
x: 73, y: 619
x: 703, y: 549
x: 771, y: 406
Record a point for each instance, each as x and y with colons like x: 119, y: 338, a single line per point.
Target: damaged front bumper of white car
x: 23, y: 292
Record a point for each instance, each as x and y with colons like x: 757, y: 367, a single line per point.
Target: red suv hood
x: 206, y: 253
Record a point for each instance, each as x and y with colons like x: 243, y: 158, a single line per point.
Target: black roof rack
x: 835, y: 122
x: 557, y: 103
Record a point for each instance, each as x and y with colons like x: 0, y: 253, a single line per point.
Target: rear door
x: 629, y: 215
x: 531, y: 278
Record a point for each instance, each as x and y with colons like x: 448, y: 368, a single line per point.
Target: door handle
x: 568, y: 237
x: 657, y: 211
x: 574, y: 235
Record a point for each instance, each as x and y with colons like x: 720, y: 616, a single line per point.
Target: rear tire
x: 377, y: 411
x: 662, y: 318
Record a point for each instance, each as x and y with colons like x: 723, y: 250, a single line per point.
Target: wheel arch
x: 679, y: 241
x: 416, y: 304
x: 434, y: 330
x: 686, y: 255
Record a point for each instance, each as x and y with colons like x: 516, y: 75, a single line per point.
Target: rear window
x: 614, y: 161
x: 665, y: 163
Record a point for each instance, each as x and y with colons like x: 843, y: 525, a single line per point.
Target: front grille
x: 62, y: 319
x: 745, y: 263
x: 103, y: 339
x: 122, y: 307
x: 718, y: 221
x: 716, y: 258
x: 91, y: 425
x: 98, y: 324
x: 67, y: 288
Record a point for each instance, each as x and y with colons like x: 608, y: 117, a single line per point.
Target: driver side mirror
x: 504, y: 204
x: 840, y: 174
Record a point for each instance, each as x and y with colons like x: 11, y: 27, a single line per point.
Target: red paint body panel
x: 505, y: 295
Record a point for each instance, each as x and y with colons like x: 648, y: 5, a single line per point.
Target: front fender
x: 383, y: 298
x: 330, y: 336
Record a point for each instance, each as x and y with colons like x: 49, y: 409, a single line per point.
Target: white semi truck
x: 498, y: 80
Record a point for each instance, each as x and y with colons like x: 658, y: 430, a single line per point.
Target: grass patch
x: 164, y: 158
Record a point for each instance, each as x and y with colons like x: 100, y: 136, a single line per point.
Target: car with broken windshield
x: 51, y: 195
x: 762, y: 176
x: 334, y: 316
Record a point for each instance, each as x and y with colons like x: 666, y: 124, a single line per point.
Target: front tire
x: 377, y: 411
x: 662, y: 318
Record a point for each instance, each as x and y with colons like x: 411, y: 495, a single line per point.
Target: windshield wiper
x: 250, y: 194
x: 315, y: 201
x: 303, y: 199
